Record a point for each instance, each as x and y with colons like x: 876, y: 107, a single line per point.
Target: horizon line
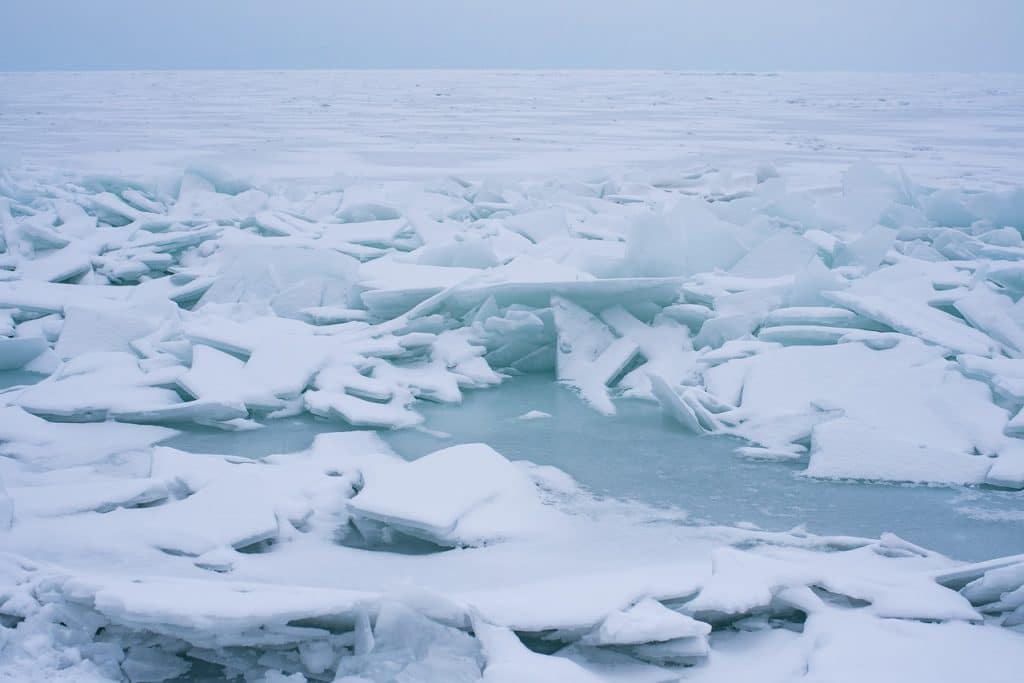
x: 645, y: 69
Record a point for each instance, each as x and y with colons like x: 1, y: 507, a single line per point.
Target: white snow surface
x: 829, y: 267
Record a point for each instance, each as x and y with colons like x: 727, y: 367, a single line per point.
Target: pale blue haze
x: 867, y: 35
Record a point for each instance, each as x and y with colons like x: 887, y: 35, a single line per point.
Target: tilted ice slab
x: 638, y: 291
x: 589, y: 356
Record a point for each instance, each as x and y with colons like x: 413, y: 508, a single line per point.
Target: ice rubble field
x: 849, y: 321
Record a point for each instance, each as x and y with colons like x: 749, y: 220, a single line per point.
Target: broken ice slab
x: 183, y: 290
x: 282, y: 367
x: 849, y: 641
x: 7, y: 324
x: 1010, y: 276
x: 867, y: 251
x: 346, y: 378
x: 543, y: 359
x: 38, y: 232
x: 534, y: 415
x: 126, y: 270
x: 94, y: 385
x: 326, y: 242
x: 890, y: 586
x: 806, y: 335
x: 215, y: 614
x: 366, y: 204
x: 992, y: 313
x: 1004, y: 375
x: 113, y: 210
x: 148, y: 663
x: 330, y: 315
x: 224, y: 334
x: 993, y: 590
x: 200, y: 410
x: 961, y: 576
x: 648, y: 621
x: 814, y: 315
x: 142, y: 202
x: 539, y: 225
x: 781, y: 253
x: 509, y: 661
x: 15, y: 352
x: 369, y: 232
x: 99, y: 495
x: 665, y: 345
x: 679, y: 652
x: 613, y: 360
x: 71, y: 400
x: 358, y: 412
x: 589, y: 356
x: 632, y: 293
x: 611, y: 663
x: 58, y: 266
x: 515, y: 336
x: 721, y: 329
x: 735, y: 350
x: 49, y: 297
x: 236, y: 502
x: 273, y: 224
x: 909, y: 391
x: 1015, y: 427
x: 846, y: 449
x: 685, y: 409
x: 171, y: 241
x: 461, y: 495
x: 686, y: 239
x: 917, y: 319
x: 810, y: 285
x: 223, y: 513
x: 44, y: 444
x: 1008, y: 468
x: 287, y: 278
x: 49, y: 327
x: 390, y: 273
x: 691, y: 315
x: 213, y: 373
x: 88, y: 330
x: 406, y: 645
x: 783, y: 453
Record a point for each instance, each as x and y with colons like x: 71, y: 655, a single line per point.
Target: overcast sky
x: 891, y: 35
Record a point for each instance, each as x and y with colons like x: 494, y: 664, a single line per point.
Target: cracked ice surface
x: 858, y: 321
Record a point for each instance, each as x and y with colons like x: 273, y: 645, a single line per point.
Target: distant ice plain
x: 312, y: 125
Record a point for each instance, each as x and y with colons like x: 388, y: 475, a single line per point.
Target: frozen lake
x: 640, y: 456
x: 315, y: 125
x: 830, y: 266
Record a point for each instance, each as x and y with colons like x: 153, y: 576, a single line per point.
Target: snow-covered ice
x: 271, y: 393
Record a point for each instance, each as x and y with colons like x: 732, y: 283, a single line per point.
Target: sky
x: 748, y: 35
